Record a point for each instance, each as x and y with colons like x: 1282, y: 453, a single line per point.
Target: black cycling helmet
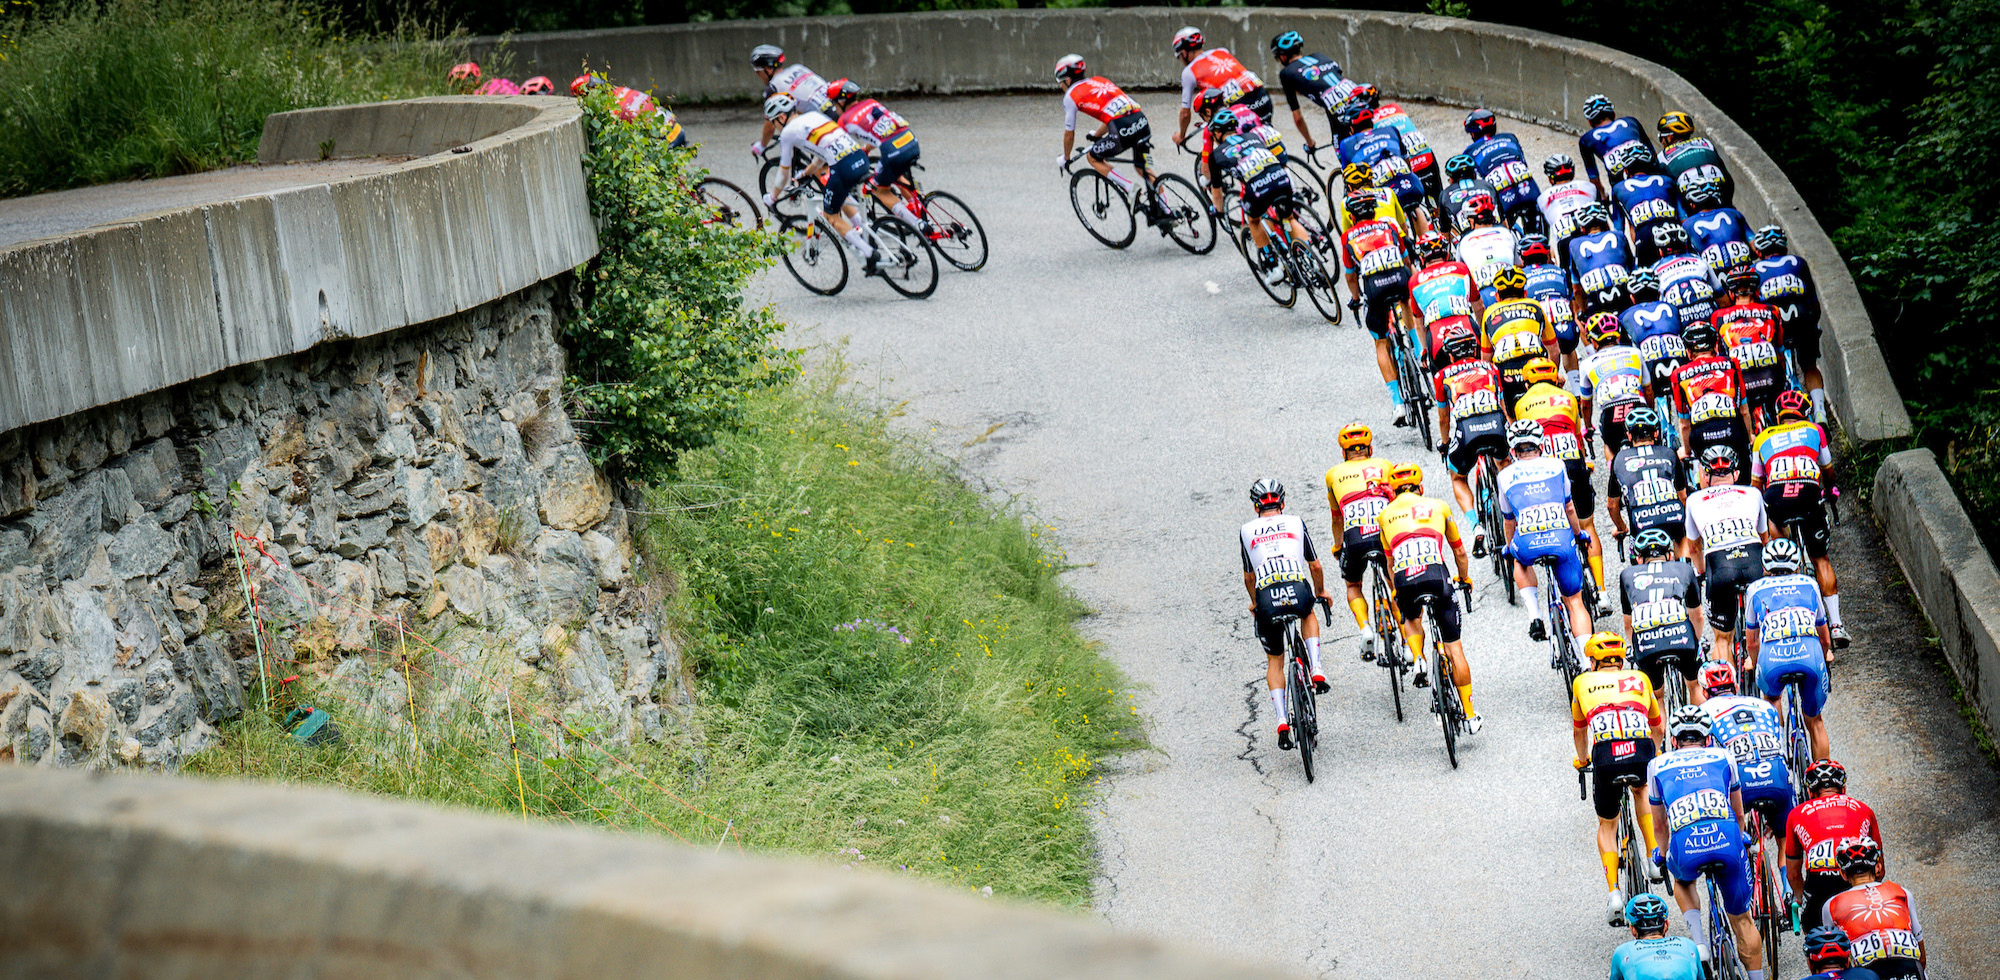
x: 1768, y: 241
x: 1559, y: 168
x: 1461, y: 348
x: 1481, y: 123
x: 1460, y: 167
x: 1702, y: 195
x: 1827, y: 946
x: 1742, y: 279
x: 1361, y: 205
x: 1825, y: 774
x: 1699, y: 336
x: 1598, y: 107
x: 1857, y: 855
x: 1291, y: 43
x: 1642, y: 419
x: 1652, y: 544
x: 1643, y: 281
x: 1267, y: 493
x: 767, y: 56
x: 1670, y: 238
x: 1720, y: 459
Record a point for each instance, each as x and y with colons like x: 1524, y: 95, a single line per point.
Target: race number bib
x: 1706, y: 173
x: 1756, y: 354
x: 1623, y: 154
x: 1540, y: 518
x: 1658, y: 614
x: 1714, y: 405
x: 884, y: 125
x: 1732, y: 532
x: 1389, y: 168
x: 1618, y: 725
x: 1563, y: 445
x: 1602, y: 278
x: 1618, y: 389
x: 1278, y: 571
x: 1663, y: 347
x: 1518, y: 345
x: 1749, y: 747
x: 1119, y: 105
x: 1472, y: 403
x: 1702, y: 804
x: 1360, y: 515
x: 1507, y: 173
x: 1883, y: 944
x: 1726, y: 255
x: 1416, y: 554
x: 1648, y: 492
x: 1381, y: 260
x: 1253, y: 160
x: 1788, y: 623
x: 1782, y: 287
x: 1792, y: 468
x: 1654, y: 210
x: 1820, y: 857
x: 1558, y: 309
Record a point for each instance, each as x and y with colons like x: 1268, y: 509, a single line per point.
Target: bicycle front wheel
x: 1308, y: 188
x: 817, y: 259
x: 1188, y: 222
x: 956, y: 232
x: 1304, y: 722
x: 724, y: 203
x: 1285, y: 292
x: 1104, y: 209
x: 909, y: 265
x: 1315, y: 281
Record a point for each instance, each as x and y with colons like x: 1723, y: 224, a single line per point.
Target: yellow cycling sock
x: 1360, y: 608
x: 1416, y: 645
x: 1646, y: 828
x: 1610, y: 869
x: 1465, y: 699
x: 1597, y: 571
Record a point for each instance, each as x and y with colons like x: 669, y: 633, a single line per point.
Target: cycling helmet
x: 1594, y: 213
x: 1690, y: 722
x: 1363, y: 117
x: 1539, y: 369
x: 1782, y: 557
x: 1702, y: 195
x: 1674, y: 127
x: 538, y: 85
x: 1369, y: 95
x: 1206, y: 102
x: 1460, y: 167
x: 1357, y: 175
x: 1187, y: 39
x: 1742, y: 279
x: 1642, y: 419
x: 843, y: 91
x: 1826, y: 943
x: 1699, y: 337
x: 1857, y: 854
x: 1598, y: 107
x: 1825, y: 774
x: 1431, y: 247
x: 1267, y: 493
x: 1290, y: 43
x: 1604, y: 646
x: 1405, y: 477
x: 1646, y: 911
x: 582, y: 83
x: 1604, y: 330
x: 1794, y: 403
x: 1651, y: 543
x: 1461, y: 348
x: 1638, y: 160
x: 1480, y: 211
x: 1559, y: 168
x: 1670, y: 238
x: 779, y: 104
x: 1510, y: 281
x: 1354, y: 435
x: 1768, y: 241
x: 1534, y: 250
x: 1223, y: 123
x: 1717, y: 677
x: 1480, y: 123
x: 766, y: 56
x: 1070, y: 69
x: 463, y: 73
x: 1524, y: 434
x: 1643, y: 281
x: 1361, y: 205
x: 1720, y: 459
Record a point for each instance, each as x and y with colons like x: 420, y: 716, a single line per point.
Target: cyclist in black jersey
x: 1648, y: 485
x: 1661, y: 596
x: 1463, y: 187
x: 1316, y: 77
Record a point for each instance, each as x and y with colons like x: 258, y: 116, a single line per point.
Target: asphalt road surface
x: 1129, y: 398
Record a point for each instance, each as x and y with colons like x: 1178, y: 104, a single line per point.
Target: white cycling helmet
x: 1781, y: 557
x: 779, y: 104
x: 1071, y: 69
x: 1690, y: 722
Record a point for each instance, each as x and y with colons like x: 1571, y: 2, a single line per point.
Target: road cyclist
x: 1470, y: 413
x: 1356, y: 491
x: 1727, y: 528
x: 1514, y: 330
x: 1418, y: 531
x: 1122, y: 127
x: 1566, y: 194
x: 1695, y: 791
x: 1315, y: 77
x: 1502, y: 163
x: 1616, y: 722
x: 1486, y: 246
x: 889, y: 135
x: 1814, y: 832
x: 1444, y: 303
x: 1791, y: 460
x: 1651, y: 954
x: 1266, y: 187
x: 1615, y: 380
x: 1690, y: 159
x: 1598, y: 259
x: 1654, y: 326
x: 1646, y: 199
x: 1376, y: 257
x: 1786, y: 282
x: 1785, y: 631
x: 1282, y: 574
x: 1686, y: 281
x: 1543, y: 529
x: 1716, y: 232
x: 805, y: 87
x: 1215, y: 68
x: 1463, y: 186
x: 1648, y: 486
x: 1381, y: 151
x: 1548, y: 404
x: 1748, y: 331
x: 1616, y: 140
x: 1878, y: 916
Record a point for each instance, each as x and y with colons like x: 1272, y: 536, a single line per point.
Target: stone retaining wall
x: 1949, y: 571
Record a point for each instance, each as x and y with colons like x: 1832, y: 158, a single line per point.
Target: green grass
x: 802, y: 553
x: 129, y: 89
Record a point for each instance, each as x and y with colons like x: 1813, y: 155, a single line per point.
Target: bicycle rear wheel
x: 1631, y: 850
x: 1304, y: 723
x: 908, y: 264
x: 1798, y: 745
x: 1416, y: 390
x: 1188, y: 222
x: 1489, y: 517
x: 1315, y: 281
x: 1451, y: 714
x: 1285, y: 293
x: 1721, y: 941
x: 1388, y: 637
x: 817, y: 258
x: 727, y: 204
x: 1104, y: 209
x: 1771, y: 921
x: 959, y: 237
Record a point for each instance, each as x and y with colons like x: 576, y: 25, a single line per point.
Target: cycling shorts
x: 1257, y: 100
x: 1719, y: 842
x: 1581, y: 493
x: 896, y: 162
x: 1611, y: 424
x: 1729, y: 573
x: 1798, y: 502
x: 1654, y: 665
x: 1802, y: 333
x: 1767, y: 789
x: 1897, y: 968
x: 1355, y: 548
x: 1761, y: 385
x: 1271, y: 194
x: 1130, y: 131
x: 1485, y: 431
x: 1566, y: 335
x: 1610, y: 760
x: 1568, y: 563
x: 1820, y: 889
x: 1807, y: 666
x: 1294, y: 599
x: 1432, y: 581
x: 841, y: 179
x: 1382, y: 294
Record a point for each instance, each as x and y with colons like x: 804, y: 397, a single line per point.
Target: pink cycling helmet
x: 538, y: 85
x: 498, y: 86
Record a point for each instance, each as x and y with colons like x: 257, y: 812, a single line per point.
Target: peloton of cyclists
x: 1418, y: 530
x: 808, y: 133
x: 1282, y: 574
x: 1694, y: 789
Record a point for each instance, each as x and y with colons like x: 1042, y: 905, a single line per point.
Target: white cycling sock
x: 1278, y: 703
x: 902, y: 210
x: 860, y: 242
x: 1833, y: 609
x: 1528, y: 597
x: 1819, y: 405
x: 1695, y: 930
x: 1576, y: 380
x: 1124, y: 183
x: 1312, y: 656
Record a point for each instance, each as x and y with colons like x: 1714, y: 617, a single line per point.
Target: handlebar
x: 1582, y: 789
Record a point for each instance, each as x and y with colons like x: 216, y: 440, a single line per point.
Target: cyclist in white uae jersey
x: 1727, y: 527
x: 1282, y: 573
x: 805, y: 87
x: 1486, y: 247
x: 1566, y: 195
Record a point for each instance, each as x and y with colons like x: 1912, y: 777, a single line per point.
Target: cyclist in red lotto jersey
x: 889, y: 135
x: 1814, y: 831
x: 1215, y: 69
x: 1122, y: 126
x: 1879, y: 917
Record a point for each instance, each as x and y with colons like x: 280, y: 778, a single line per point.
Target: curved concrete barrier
x: 1524, y: 73
x: 1949, y: 571
x: 148, y: 876
x: 124, y: 308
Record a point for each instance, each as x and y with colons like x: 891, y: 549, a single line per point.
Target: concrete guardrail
x: 1524, y: 73
x: 129, y: 307
x: 148, y: 876
x: 1950, y: 572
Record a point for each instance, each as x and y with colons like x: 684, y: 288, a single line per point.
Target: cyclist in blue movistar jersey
x: 1686, y: 281
x: 1653, y: 326
x: 1786, y: 282
x: 1750, y: 729
x: 1652, y: 954
x: 1720, y: 235
x: 1542, y: 523
x: 1598, y: 259
x: 1646, y: 198
x: 1614, y: 139
x: 1787, y: 636
x: 1500, y: 160
x: 1316, y: 77
x: 1697, y: 795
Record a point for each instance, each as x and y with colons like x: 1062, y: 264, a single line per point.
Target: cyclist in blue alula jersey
x: 1652, y: 954
x: 1786, y: 630
x: 1614, y: 139
x: 1542, y: 523
x: 1697, y: 796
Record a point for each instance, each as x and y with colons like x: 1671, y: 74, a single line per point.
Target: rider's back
x: 1657, y: 958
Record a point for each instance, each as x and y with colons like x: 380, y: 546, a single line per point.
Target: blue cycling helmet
x: 1647, y: 912
x: 1827, y: 943
x: 1652, y: 542
x: 1224, y: 123
x: 1291, y: 42
x: 1460, y: 167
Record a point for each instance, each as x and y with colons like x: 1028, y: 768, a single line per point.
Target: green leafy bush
x: 666, y: 349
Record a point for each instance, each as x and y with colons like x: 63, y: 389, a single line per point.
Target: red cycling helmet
x: 464, y: 72
x: 1481, y: 209
x: 538, y: 85
x: 1718, y: 677
x: 1792, y: 402
x: 1364, y: 117
x: 1535, y: 252
x: 843, y: 91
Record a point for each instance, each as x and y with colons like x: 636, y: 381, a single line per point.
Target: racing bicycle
x: 1305, y: 268
x: 1486, y: 496
x: 1633, y: 877
x: 1444, y: 694
x: 727, y: 204
x: 1415, y: 384
x: 1387, y: 624
x: 945, y: 219
x: 1300, y: 701
x: 817, y: 258
x: 1721, y: 939
x: 1563, y: 654
x: 1770, y: 893
x: 1110, y: 215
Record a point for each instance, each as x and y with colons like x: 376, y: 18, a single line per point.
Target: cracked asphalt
x: 1128, y: 398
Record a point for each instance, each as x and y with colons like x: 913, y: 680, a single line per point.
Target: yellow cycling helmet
x: 1603, y: 329
x: 1510, y: 280
x: 1405, y: 476
x: 1541, y: 369
x: 1358, y: 175
x: 1354, y: 435
x: 1604, y: 647
x: 1675, y: 126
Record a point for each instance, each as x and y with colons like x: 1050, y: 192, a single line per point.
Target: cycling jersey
x: 1749, y: 729
x: 1418, y: 532
x: 1555, y: 410
x: 1597, y: 261
x: 1614, y: 376
x: 1458, y: 198
x: 1513, y: 331
x: 1694, y: 161
x: 846, y: 159
x: 1652, y: 318
x: 1708, y: 389
x: 1650, y: 481
x: 1560, y: 203
x: 1813, y: 834
x: 1787, y: 612
x: 1794, y: 452
x: 1265, y: 180
x: 1097, y: 98
x: 1616, y: 142
x: 1785, y: 282
x: 1354, y: 488
x: 1387, y: 208
x: 1614, y: 705
x: 804, y: 86
x: 1657, y: 958
x: 1373, y: 248
x: 1721, y: 236
x: 1880, y: 920
x: 1535, y: 495
x: 1725, y: 517
x: 1687, y: 283
x: 1442, y: 289
x: 1382, y: 151
x: 1501, y: 163
x: 1646, y: 201
x: 629, y: 104
x: 874, y: 124
x: 1486, y: 250
x: 1316, y: 77
x: 1549, y: 286
x: 1277, y: 555
x: 1218, y: 69
x: 1694, y: 785
x: 1656, y: 596
x: 1470, y: 392
x: 1416, y: 148
x: 1748, y: 331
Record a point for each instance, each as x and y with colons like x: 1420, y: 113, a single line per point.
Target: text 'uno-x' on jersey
x: 1614, y: 705
x: 1417, y: 531
x: 1354, y: 487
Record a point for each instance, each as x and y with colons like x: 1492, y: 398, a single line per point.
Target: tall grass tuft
x: 127, y: 89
